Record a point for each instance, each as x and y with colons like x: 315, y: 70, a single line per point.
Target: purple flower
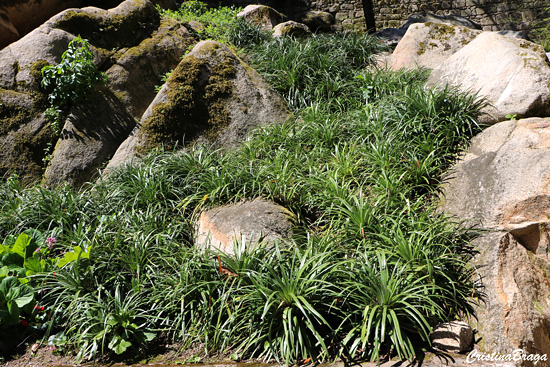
x: 37, y: 250
x: 51, y: 241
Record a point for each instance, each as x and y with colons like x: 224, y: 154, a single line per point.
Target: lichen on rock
x: 429, y: 44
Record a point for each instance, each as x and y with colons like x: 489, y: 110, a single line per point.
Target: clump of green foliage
x: 370, y: 269
x: 316, y: 70
x: 220, y: 24
x: 70, y: 81
x: 21, y: 257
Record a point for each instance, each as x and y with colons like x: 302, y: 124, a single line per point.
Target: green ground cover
x: 370, y: 269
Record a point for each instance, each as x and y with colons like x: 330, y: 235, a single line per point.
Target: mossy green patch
x: 12, y: 116
x: 28, y: 152
x: 197, y: 95
x: 421, y: 48
x: 26, y: 145
x: 36, y: 70
x: 440, y: 31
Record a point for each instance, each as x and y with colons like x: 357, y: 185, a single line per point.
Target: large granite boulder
x: 134, y: 63
x: 429, y: 44
x: 262, y: 15
x: 17, y: 18
x: 511, y: 73
x: 123, y: 26
x: 501, y: 184
x: 503, y: 179
x: 212, y: 97
x: 25, y: 134
x: 249, y: 223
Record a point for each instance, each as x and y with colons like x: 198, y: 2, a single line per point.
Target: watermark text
x: 516, y: 356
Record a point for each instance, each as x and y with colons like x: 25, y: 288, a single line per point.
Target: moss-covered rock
x: 24, y: 135
x: 20, y: 62
x: 123, y: 26
x: 291, y: 29
x: 211, y: 97
x: 130, y: 42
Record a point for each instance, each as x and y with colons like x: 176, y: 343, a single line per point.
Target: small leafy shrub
x: 190, y: 7
x: 163, y: 80
x: 71, y: 81
x: 220, y: 23
x: 24, y: 256
x: 21, y: 258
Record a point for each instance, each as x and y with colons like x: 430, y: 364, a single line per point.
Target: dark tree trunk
x: 369, y: 16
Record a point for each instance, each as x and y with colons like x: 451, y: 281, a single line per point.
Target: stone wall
x: 356, y: 14
x: 492, y: 15
x: 349, y: 13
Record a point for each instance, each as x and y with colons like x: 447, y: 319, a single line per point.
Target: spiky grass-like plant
x: 288, y: 312
x: 359, y: 168
x: 392, y: 308
x: 319, y: 69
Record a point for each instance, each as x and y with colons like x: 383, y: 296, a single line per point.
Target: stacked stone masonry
x: 492, y: 15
